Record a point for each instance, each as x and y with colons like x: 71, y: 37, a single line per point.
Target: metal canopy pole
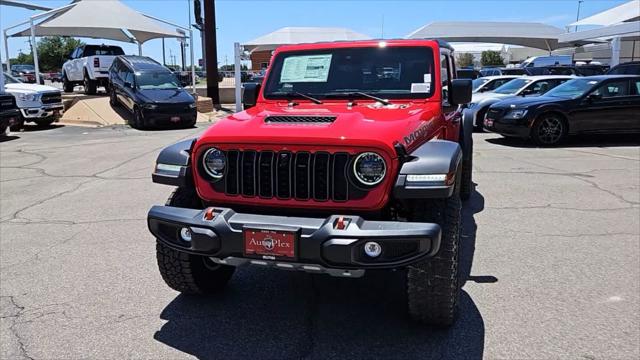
x: 193, y: 63
x: 6, y: 51
x: 213, y: 91
x: 237, y: 56
x: 35, y: 50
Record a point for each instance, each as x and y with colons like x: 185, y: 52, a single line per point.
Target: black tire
x: 138, y: 120
x: 186, y: 273
x: 549, y: 130
x: 90, y: 86
x: 17, y: 126
x: 466, y: 181
x: 113, y: 100
x: 433, y: 287
x: 67, y: 85
x: 190, y: 124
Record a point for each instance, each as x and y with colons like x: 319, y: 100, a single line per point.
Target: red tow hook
x: 209, y: 214
x: 341, y: 223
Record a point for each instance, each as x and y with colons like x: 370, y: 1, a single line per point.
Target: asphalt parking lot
x: 550, y: 260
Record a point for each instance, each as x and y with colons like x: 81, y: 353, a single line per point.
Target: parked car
x: 9, y: 112
x: 502, y: 71
x: 628, y: 68
x: 597, y: 104
x: 550, y: 60
x: 490, y: 83
x: 285, y: 163
x: 40, y: 104
x: 25, y: 72
x: 151, y: 92
x: 88, y: 65
x: 522, y: 86
x: 468, y: 74
x: 582, y: 70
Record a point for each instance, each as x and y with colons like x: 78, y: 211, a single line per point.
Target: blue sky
x: 240, y: 21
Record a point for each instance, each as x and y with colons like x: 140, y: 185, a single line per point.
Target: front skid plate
x: 310, y: 268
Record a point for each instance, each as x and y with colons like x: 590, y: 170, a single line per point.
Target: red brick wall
x: 259, y: 57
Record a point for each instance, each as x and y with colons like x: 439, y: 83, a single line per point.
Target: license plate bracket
x: 175, y: 119
x: 271, y: 242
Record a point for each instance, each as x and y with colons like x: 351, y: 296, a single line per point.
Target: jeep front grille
x: 300, y: 119
x: 319, y: 176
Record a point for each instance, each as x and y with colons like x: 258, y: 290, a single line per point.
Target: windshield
x: 156, y: 80
x: 572, y: 89
x: 478, y: 82
x: 386, y: 72
x: 8, y: 79
x: 512, y: 86
x: 23, y: 67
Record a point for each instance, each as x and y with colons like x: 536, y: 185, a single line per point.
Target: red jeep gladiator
x: 349, y: 156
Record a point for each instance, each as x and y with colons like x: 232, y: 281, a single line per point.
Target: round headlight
x: 369, y: 168
x: 214, y: 161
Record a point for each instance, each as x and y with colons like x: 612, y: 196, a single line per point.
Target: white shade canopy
x: 102, y: 19
x: 629, y: 11
x: 534, y: 35
x: 300, y: 35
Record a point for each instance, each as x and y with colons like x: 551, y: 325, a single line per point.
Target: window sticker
x: 427, y: 78
x: 306, y: 68
x: 420, y: 88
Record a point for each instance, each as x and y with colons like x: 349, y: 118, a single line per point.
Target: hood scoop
x: 299, y: 119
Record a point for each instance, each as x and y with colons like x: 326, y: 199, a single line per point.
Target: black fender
x: 466, y: 134
x: 436, y: 157
x: 173, y: 166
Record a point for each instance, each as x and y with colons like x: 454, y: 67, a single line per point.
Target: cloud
x: 553, y: 19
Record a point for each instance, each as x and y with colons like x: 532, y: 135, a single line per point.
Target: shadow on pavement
x: 6, y: 138
x: 608, y: 140
x: 34, y: 127
x: 267, y: 313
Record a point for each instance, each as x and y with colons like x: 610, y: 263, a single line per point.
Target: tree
x: 22, y: 59
x: 465, y: 60
x: 491, y: 58
x: 54, y: 50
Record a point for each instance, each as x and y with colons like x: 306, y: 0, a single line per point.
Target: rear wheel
x: 186, y: 273
x: 90, y: 86
x: 66, y: 84
x: 549, y: 130
x: 433, y: 286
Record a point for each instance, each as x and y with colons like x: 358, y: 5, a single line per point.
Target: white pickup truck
x: 40, y: 104
x: 88, y: 65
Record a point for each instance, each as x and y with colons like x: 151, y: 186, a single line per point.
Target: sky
x: 240, y: 21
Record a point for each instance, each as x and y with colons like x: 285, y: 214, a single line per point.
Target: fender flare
x: 173, y: 166
x: 437, y: 157
x: 466, y: 133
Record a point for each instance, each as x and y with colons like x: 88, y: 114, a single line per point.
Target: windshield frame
x: 273, y: 75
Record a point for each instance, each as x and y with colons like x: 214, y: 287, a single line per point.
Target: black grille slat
x: 302, y: 169
x: 340, y: 180
x: 300, y: 119
x: 283, y: 175
x: 265, y: 174
x: 320, y: 176
x: 248, y: 177
x: 51, y: 98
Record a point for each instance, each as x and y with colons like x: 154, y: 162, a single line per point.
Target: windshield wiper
x: 295, y: 93
x: 352, y: 93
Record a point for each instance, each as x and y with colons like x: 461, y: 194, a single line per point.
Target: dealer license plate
x: 270, y: 244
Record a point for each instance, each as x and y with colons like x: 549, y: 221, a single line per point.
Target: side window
x: 128, y: 77
x: 613, y: 89
x: 541, y: 87
x: 445, y: 74
x: 636, y: 87
x: 79, y: 53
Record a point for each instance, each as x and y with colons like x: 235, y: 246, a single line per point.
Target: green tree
x: 465, y: 60
x: 491, y: 58
x: 54, y: 50
x: 22, y: 59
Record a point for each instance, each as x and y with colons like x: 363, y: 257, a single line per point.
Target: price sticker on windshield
x: 420, y: 88
x: 306, y: 68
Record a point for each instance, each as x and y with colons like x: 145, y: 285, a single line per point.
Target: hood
x: 524, y: 102
x: 171, y: 96
x: 28, y: 88
x: 363, y: 125
x: 479, y: 97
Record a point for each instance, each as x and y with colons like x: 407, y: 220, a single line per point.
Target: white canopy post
x: 6, y: 51
x: 34, y: 49
x: 615, y: 51
x: 237, y: 55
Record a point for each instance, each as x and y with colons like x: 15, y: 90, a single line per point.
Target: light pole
x: 578, y: 14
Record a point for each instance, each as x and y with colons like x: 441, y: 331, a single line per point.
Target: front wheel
x: 66, y: 84
x: 186, y: 273
x: 433, y: 286
x: 17, y: 126
x: 113, y: 100
x: 549, y: 130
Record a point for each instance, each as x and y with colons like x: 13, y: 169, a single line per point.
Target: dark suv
x: 151, y: 92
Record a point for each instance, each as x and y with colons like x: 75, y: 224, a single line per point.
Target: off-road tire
x: 90, y: 86
x: 433, y: 287
x: 186, y: 273
x: 67, y: 85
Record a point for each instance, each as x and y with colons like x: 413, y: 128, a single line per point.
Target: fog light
x: 185, y: 234
x: 372, y: 249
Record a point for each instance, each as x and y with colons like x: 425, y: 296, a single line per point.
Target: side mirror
x: 460, y: 92
x: 250, y: 95
x: 594, y: 97
x: 128, y: 84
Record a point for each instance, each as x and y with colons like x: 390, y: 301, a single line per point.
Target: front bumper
x: 163, y: 118
x: 508, y: 127
x: 322, y: 245
x: 41, y: 112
